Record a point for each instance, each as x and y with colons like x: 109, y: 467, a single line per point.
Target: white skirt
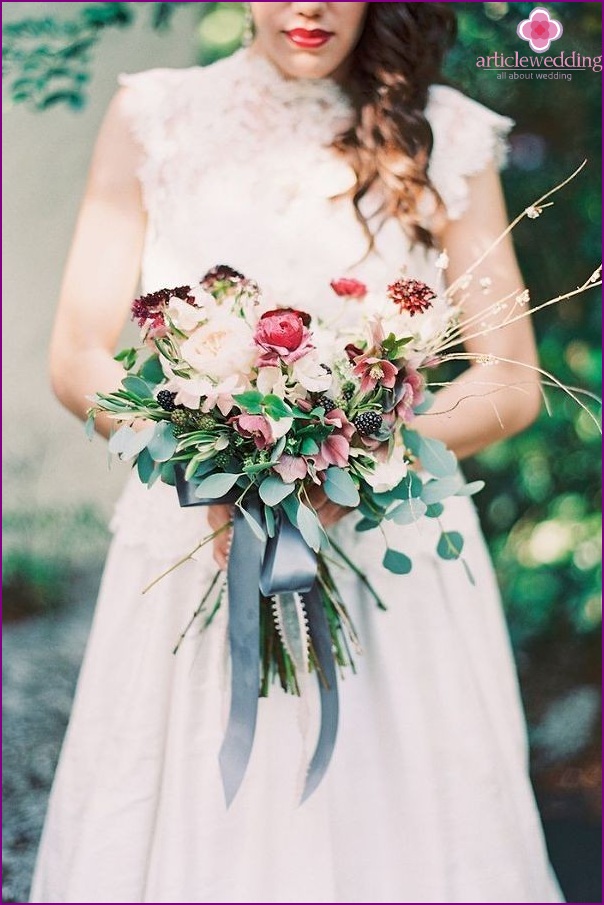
x: 427, y: 798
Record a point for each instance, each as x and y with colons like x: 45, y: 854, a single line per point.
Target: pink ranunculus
x: 283, y: 334
x: 291, y: 468
x: 257, y: 427
x: 349, y: 288
x: 373, y: 370
x: 412, y: 393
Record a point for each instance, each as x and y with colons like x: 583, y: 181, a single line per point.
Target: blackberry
x: 180, y: 418
x: 368, y: 423
x: 327, y: 403
x: 205, y: 422
x: 166, y: 400
x: 348, y: 390
x: 222, y: 459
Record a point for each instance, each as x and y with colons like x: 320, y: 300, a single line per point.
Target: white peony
x: 271, y: 380
x: 309, y: 372
x: 191, y: 392
x: 222, y: 347
x: 387, y: 475
x: 184, y: 316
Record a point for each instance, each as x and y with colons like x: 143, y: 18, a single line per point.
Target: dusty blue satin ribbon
x: 284, y: 563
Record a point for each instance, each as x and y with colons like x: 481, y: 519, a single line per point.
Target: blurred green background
x: 541, y: 507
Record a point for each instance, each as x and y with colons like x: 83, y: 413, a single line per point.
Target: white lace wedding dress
x: 427, y: 798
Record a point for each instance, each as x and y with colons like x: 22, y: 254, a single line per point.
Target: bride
x: 327, y: 147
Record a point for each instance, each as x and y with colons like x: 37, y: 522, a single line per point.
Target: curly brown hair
x: 398, y: 57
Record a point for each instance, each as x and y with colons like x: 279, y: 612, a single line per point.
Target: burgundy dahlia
x: 412, y: 296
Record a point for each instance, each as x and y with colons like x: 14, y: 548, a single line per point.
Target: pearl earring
x: 248, y: 26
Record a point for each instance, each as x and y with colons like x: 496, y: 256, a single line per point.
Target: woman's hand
x: 219, y: 515
x: 328, y: 512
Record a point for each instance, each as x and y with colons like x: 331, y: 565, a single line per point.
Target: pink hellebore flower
x: 257, y: 427
x: 335, y: 449
x: 373, y: 370
x: 291, y: 468
x: 412, y: 393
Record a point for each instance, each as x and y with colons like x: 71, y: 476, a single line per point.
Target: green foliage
x: 48, y: 61
x: 42, y: 550
x: 540, y: 506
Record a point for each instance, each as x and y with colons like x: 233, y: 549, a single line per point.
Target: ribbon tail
x: 243, y: 576
x: 328, y: 689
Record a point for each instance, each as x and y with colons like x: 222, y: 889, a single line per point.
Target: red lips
x: 309, y: 38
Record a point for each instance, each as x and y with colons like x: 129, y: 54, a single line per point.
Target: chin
x: 307, y: 65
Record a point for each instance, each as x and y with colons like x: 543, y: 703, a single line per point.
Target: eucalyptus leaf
x: 137, y: 386
x: 290, y: 506
x: 269, y: 519
x: 434, y: 510
x: 396, y: 562
x: 365, y: 524
x: 163, y: 445
x: 216, y: 485
x: 408, y: 512
x: 439, y: 489
x: 253, y: 524
x: 433, y: 454
x: 450, y: 545
x: 470, y: 489
x: 340, y: 488
x: 145, y: 466
x: 151, y: 371
x: 167, y: 474
x: 128, y: 443
x: 310, y: 527
x: 89, y: 426
x: 273, y: 490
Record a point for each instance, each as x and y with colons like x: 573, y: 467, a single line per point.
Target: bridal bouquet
x: 241, y: 402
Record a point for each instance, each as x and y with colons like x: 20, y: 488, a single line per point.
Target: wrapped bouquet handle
x: 284, y: 565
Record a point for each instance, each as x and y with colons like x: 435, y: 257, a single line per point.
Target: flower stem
x: 189, y: 556
x: 360, y: 575
x: 197, y: 611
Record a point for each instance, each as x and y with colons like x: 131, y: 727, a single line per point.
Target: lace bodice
x: 236, y: 168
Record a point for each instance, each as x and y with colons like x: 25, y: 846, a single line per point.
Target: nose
x: 309, y: 10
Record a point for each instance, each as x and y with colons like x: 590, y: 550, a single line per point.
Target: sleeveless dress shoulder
x: 427, y: 798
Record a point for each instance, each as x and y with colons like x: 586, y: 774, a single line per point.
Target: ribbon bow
x: 282, y: 565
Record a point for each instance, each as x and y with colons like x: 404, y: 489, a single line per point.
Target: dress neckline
x: 268, y: 79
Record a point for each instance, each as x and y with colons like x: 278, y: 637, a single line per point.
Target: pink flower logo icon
x: 539, y: 30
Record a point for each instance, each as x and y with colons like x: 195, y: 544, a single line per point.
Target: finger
x: 317, y: 498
